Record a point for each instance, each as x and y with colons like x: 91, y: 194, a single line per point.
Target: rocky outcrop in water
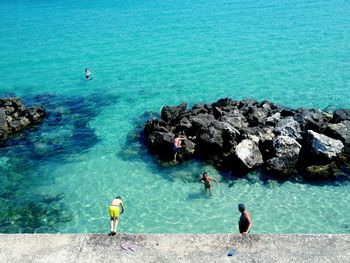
x: 247, y: 134
x: 14, y: 116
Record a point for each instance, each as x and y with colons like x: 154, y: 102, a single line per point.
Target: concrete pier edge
x: 174, y: 248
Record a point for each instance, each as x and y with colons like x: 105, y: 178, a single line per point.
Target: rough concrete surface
x: 173, y: 248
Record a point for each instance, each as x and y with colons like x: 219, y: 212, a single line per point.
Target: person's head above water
x: 241, y: 208
x: 205, y: 174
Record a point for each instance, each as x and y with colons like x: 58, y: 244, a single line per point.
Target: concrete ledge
x: 173, y: 248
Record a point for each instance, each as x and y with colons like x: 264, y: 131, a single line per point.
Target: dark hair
x: 205, y: 173
x: 118, y: 197
x: 241, y: 208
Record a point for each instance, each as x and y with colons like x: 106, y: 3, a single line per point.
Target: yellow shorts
x: 114, y: 211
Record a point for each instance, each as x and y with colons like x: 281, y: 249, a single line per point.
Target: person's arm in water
x: 215, y: 181
x: 249, y: 221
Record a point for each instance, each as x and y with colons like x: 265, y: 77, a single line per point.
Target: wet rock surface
x: 15, y: 117
x: 247, y: 134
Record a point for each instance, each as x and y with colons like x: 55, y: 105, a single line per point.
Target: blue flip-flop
x: 232, y: 252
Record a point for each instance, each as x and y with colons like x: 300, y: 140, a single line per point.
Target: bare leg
x: 112, y: 224
x: 116, y: 221
x: 175, y: 156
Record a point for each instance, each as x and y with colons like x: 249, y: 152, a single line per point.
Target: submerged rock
x: 322, y: 172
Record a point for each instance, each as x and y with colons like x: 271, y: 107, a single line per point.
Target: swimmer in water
x: 87, y: 74
x: 206, y: 181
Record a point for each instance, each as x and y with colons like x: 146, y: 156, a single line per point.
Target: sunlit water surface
x: 60, y: 176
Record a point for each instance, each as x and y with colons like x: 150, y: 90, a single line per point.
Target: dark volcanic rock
x: 210, y: 141
x: 322, y: 172
x: 218, y: 113
x: 202, y: 120
x: 19, y: 124
x: 287, y: 151
x: 187, y: 150
x: 244, y: 135
x: 229, y: 134
x: 161, y: 143
x: 184, y: 126
x: 3, y: 119
x: 14, y: 102
x: 14, y: 117
x: 269, y: 106
x: 273, y: 119
x: 197, y: 109
x: 248, y: 106
x: 310, y: 119
x: 155, y: 125
x: 170, y: 113
x: 341, y: 115
x: 288, y: 127
x: 35, y: 114
x: 223, y: 103
x: 258, y: 116
x: 340, y: 131
x: 322, y: 146
x: 235, y: 119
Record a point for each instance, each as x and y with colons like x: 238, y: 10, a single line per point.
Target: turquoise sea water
x: 143, y: 55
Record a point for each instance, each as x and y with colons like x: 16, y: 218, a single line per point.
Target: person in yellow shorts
x: 114, y: 212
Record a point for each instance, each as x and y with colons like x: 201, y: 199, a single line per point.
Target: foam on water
x: 143, y: 55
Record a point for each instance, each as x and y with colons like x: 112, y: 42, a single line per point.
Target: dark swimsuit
x: 175, y: 149
x: 243, y: 224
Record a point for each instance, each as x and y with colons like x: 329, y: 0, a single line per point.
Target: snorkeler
x: 114, y: 212
x: 206, y: 181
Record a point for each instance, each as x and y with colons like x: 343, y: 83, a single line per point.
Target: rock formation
x: 244, y: 135
x: 14, y: 116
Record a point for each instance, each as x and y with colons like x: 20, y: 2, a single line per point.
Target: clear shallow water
x: 143, y: 55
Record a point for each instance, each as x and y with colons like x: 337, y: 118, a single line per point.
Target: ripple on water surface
x: 60, y: 177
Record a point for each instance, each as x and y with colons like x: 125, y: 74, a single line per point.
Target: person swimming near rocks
x: 87, y: 74
x: 206, y: 181
x: 245, y: 223
x: 114, y: 212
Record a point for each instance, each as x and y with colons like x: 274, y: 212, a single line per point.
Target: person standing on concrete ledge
x: 114, y: 212
x: 245, y: 223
